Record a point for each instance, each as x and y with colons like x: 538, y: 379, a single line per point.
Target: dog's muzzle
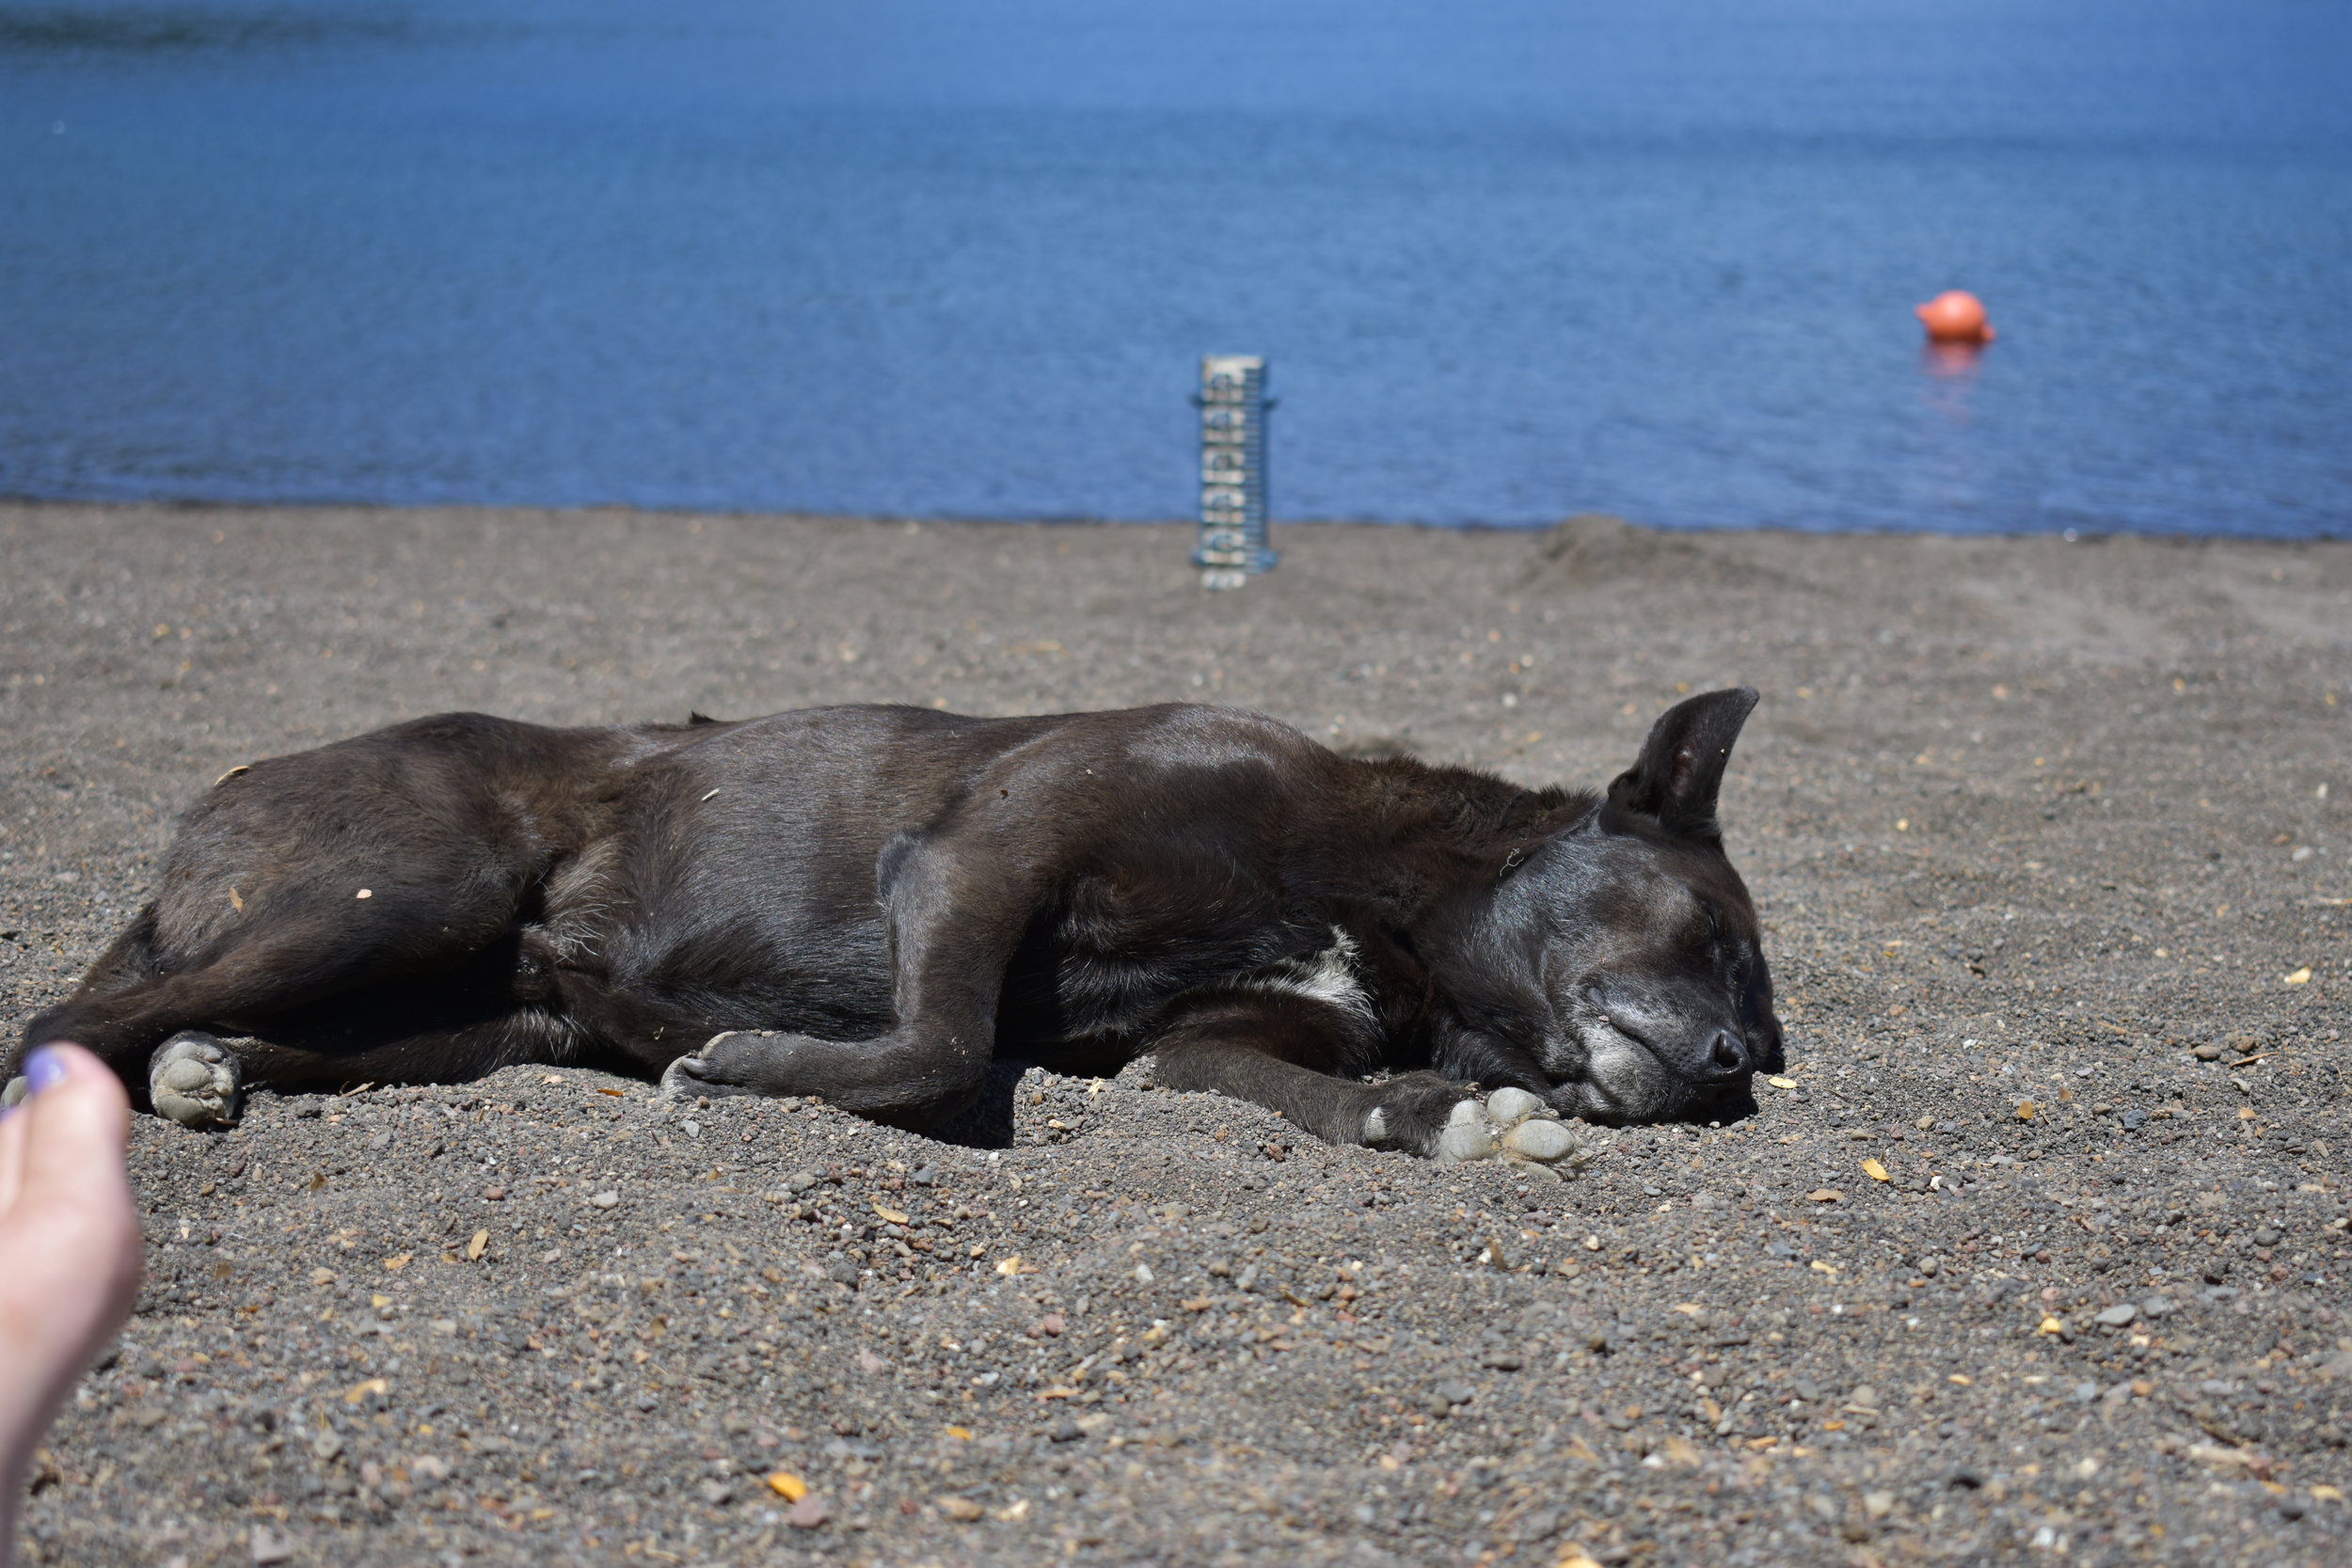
x: 1625, y: 1077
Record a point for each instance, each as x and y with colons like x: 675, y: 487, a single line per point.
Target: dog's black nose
x: 1728, y: 1057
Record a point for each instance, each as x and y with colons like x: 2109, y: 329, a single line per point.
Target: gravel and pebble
x: 2037, y: 1252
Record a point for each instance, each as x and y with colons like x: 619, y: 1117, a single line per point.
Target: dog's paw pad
x: 194, y: 1080
x: 1540, y: 1139
x: 1466, y: 1138
x: 681, y: 1079
x: 18, y: 1088
x: 1446, y: 1122
x: 732, y: 1062
x: 1508, y: 1106
x: 1529, y: 1131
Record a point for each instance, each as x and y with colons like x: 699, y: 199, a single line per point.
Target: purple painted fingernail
x: 45, y: 1070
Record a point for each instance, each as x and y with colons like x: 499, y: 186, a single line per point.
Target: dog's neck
x: 1441, y: 847
x: 1433, y: 837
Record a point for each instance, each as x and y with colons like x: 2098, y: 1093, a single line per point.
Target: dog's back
x: 492, y: 886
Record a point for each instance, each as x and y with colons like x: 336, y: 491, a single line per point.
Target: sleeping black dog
x: 871, y: 904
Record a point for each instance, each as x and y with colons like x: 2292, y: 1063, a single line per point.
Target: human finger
x: 72, y: 1132
x: 11, y: 1158
x: 75, y: 1125
x: 71, y: 1175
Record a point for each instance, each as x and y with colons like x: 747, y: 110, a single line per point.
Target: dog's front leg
x: 1281, y: 1050
x: 955, y: 917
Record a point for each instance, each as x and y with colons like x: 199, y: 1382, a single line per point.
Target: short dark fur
x: 892, y: 898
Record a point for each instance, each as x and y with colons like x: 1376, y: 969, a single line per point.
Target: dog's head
x: 1655, y: 1002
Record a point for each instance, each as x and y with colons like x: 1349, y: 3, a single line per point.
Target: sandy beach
x: 2043, y: 1252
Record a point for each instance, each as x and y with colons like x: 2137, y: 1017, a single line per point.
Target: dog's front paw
x: 679, y: 1081
x: 195, y: 1081
x: 1412, y: 1114
x: 737, y: 1062
x: 1529, y: 1130
x: 1448, y: 1123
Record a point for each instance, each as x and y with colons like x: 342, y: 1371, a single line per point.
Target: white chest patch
x: 1328, y: 976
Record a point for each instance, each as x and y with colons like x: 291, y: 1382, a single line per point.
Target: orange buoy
x: 1954, y: 316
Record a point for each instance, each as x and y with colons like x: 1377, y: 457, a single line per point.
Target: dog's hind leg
x: 955, y: 920
x: 394, y: 858
x: 289, y: 1056
x: 128, y: 959
x: 192, y: 1079
x: 310, y: 946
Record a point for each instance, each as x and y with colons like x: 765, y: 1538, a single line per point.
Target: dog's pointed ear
x: 1681, y: 765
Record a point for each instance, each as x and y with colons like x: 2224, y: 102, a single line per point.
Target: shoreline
x: 2071, y: 534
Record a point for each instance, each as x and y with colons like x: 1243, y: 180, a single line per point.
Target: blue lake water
x: 1509, y: 259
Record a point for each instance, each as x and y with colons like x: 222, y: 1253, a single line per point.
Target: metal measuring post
x: 1234, y: 409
